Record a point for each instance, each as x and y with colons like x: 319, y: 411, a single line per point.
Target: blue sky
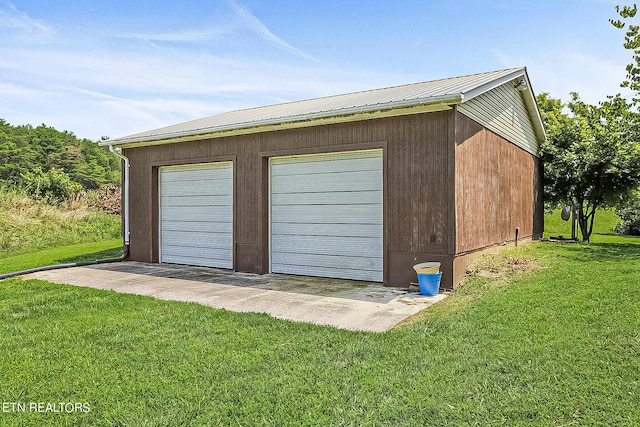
x: 113, y: 68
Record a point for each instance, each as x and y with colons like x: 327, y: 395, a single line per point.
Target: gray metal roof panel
x: 453, y: 90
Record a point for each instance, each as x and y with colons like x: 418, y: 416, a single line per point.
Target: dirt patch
x: 499, y: 267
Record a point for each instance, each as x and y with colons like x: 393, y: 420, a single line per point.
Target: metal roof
x: 442, y: 92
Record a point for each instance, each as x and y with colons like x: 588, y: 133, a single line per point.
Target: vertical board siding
x: 326, y: 215
x: 503, y: 111
x: 196, y: 215
x: 416, y: 187
x: 495, y: 188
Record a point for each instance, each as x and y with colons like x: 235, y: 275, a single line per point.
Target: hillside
x: 28, y: 225
x: 33, y: 157
x: 55, y: 190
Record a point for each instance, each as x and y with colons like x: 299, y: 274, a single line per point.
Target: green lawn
x: 604, y: 224
x: 65, y: 254
x: 556, y: 346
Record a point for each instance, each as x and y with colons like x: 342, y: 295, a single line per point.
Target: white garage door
x: 326, y: 215
x: 196, y: 215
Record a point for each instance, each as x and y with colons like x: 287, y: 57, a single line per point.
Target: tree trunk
x: 585, y: 220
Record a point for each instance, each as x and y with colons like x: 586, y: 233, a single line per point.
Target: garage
x: 326, y: 215
x: 310, y: 178
x: 196, y: 214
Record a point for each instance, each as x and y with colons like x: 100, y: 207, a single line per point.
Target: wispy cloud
x: 20, y: 22
x: 257, y: 27
x: 83, y: 85
x: 185, y: 36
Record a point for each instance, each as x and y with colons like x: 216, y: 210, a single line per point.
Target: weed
x: 27, y: 225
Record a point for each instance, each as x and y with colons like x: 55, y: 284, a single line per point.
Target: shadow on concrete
x: 337, y: 288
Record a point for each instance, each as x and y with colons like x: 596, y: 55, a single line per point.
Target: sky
x: 117, y: 67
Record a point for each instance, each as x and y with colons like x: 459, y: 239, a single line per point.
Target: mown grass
x: 82, y: 252
x: 27, y: 226
x: 559, y: 345
x: 604, y: 225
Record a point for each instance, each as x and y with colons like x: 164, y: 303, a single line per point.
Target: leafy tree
x: 54, y: 186
x: 25, y: 150
x: 591, y: 156
x: 631, y: 42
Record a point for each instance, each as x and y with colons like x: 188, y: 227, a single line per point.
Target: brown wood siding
x: 497, y: 188
x: 418, y: 223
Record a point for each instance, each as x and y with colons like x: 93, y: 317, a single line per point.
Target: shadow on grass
x: 94, y: 256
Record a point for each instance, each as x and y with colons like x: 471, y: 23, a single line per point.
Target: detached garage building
x: 356, y: 186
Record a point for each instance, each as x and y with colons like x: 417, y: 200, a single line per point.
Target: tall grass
x: 27, y: 225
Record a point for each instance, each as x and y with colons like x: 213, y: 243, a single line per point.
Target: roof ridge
x: 431, y: 92
x: 369, y: 90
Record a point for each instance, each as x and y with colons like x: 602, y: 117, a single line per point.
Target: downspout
x: 125, y: 249
x: 125, y: 202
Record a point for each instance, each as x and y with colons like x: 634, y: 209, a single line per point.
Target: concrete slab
x: 346, y: 304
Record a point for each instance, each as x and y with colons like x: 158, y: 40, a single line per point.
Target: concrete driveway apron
x: 346, y: 304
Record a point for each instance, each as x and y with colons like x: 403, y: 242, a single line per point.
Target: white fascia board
x: 493, y: 84
x: 534, y: 111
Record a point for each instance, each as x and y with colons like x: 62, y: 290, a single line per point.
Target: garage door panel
x: 297, y: 166
x: 196, y: 215
x: 173, y: 252
x: 358, y: 181
x: 185, y: 201
x: 326, y: 198
x: 198, y: 239
x: 312, y: 229
x: 328, y: 245
x: 329, y: 261
x: 197, y: 188
x: 196, y: 226
x: 197, y: 173
x: 339, y: 214
x: 327, y: 214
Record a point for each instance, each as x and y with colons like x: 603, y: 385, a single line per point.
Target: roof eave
x: 389, y: 109
x: 479, y: 90
x: 534, y: 112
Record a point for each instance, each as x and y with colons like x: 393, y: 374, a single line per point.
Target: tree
x: 631, y: 42
x: 54, y: 186
x: 591, y: 156
x: 24, y: 149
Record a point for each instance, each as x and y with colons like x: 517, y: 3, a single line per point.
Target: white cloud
x: 85, y: 86
x: 261, y: 30
x: 105, y: 93
x: 17, y: 22
x: 185, y: 36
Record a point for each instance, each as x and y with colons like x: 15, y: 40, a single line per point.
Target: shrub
x: 630, y: 215
x: 53, y: 186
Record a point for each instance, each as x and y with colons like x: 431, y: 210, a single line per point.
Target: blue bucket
x: 429, y: 283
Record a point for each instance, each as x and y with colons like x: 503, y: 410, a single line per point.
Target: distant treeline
x: 51, y: 164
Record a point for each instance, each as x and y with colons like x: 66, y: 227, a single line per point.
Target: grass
x: 28, y: 226
x: 83, y: 252
x: 604, y: 224
x: 559, y: 345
